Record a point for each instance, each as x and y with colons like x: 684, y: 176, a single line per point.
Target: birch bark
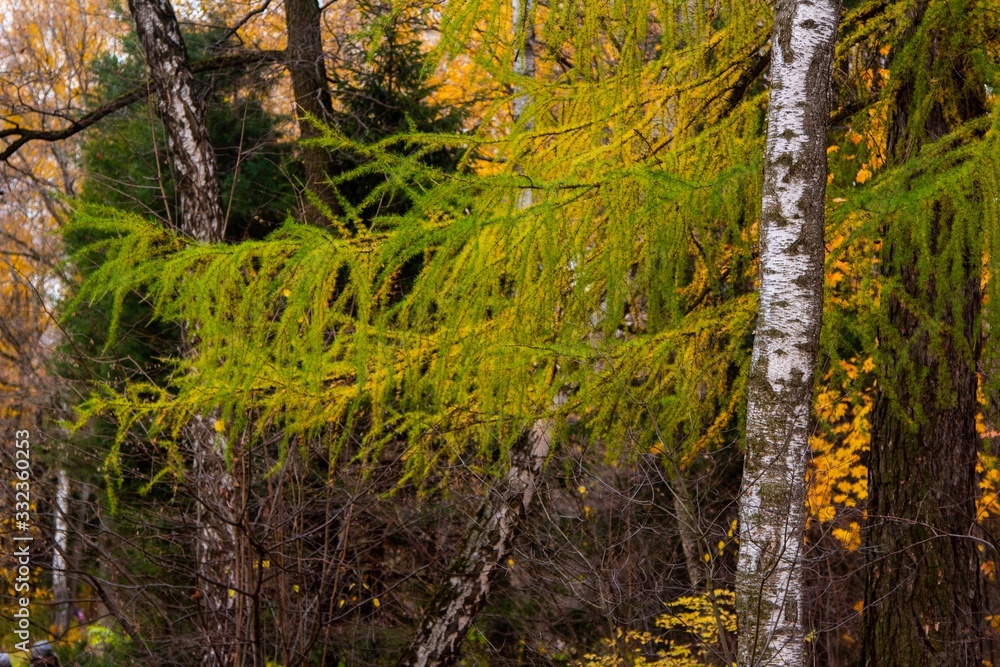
x: 524, y: 68
x: 454, y: 609
x: 772, y: 514
x: 60, y: 583
x: 450, y: 615
x: 182, y: 112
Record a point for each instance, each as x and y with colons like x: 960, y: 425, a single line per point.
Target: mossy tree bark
x: 772, y: 513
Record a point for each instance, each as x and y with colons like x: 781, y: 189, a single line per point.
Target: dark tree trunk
x: 923, y: 594
x: 182, y: 112
x: 923, y: 590
x: 450, y: 615
x: 688, y: 527
x: 312, y: 96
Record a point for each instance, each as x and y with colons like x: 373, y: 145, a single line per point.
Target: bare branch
x: 229, y: 61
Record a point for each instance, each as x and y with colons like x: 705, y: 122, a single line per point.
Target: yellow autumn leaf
x: 850, y: 537
x: 862, y: 175
x: 826, y: 513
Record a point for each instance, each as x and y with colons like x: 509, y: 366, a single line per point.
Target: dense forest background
x: 404, y: 332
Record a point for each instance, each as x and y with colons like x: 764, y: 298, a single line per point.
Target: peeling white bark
x: 772, y: 512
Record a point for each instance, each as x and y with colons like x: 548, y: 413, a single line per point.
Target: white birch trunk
x: 216, y: 541
x: 450, y: 615
x: 60, y: 585
x: 182, y: 112
x: 772, y: 512
x: 454, y: 609
x: 524, y: 67
x: 524, y: 53
x: 192, y: 158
